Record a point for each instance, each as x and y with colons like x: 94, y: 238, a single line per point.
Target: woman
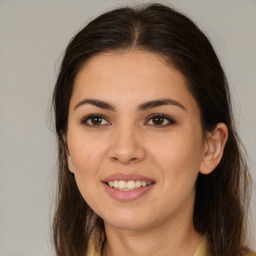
x: 149, y: 159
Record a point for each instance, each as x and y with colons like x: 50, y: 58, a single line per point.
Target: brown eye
x: 94, y: 120
x: 160, y: 120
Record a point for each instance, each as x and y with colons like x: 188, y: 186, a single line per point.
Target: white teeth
x: 127, y: 185
x: 122, y: 184
x: 130, y: 184
x: 116, y: 184
x: 138, y: 183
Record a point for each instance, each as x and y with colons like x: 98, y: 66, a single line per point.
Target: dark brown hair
x: 222, y: 196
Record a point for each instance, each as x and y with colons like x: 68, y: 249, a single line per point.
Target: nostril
x: 126, y: 153
x: 125, y: 160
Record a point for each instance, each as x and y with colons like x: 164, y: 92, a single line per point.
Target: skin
x: 128, y: 140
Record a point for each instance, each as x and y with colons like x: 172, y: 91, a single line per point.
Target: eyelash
x: 89, y: 118
x: 169, y: 120
x: 165, y: 118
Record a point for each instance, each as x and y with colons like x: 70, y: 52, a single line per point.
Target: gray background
x: 33, y: 36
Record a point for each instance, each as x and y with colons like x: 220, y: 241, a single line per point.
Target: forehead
x: 130, y: 77
x: 117, y: 65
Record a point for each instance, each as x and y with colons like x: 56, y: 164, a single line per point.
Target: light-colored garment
x: 97, y: 238
x: 96, y: 241
x: 201, y: 249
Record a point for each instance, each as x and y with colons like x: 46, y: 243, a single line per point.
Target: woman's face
x: 135, y: 140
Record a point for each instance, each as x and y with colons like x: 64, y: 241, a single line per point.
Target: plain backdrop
x: 33, y: 36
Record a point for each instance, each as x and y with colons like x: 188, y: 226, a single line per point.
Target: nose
x: 126, y: 146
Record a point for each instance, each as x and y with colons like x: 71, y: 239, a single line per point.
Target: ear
x: 214, y: 144
x: 67, y: 154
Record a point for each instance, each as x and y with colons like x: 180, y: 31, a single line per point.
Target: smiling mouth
x: 123, y: 185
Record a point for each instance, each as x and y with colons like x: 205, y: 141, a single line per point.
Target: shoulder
x: 250, y: 253
x: 203, y: 251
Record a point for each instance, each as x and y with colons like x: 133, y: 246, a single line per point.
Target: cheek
x: 179, y: 170
x: 179, y: 158
x: 86, y: 151
x: 87, y: 157
x: 182, y: 150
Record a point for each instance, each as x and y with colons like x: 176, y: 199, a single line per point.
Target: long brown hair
x: 221, y: 197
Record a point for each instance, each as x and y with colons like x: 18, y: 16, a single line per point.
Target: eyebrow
x: 144, y: 106
x: 97, y: 103
x: 160, y: 102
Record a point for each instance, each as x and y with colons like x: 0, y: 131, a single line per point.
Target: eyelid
x: 86, y: 118
x: 167, y: 117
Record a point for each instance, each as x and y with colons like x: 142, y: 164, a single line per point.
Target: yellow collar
x: 95, y: 243
x: 202, y: 248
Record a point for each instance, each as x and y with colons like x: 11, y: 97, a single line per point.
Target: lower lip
x: 130, y: 195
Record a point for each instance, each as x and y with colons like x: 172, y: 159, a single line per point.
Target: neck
x: 179, y: 240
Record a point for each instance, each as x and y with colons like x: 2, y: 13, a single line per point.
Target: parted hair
x: 222, y: 197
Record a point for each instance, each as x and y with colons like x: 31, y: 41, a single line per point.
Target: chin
x: 128, y: 222
x: 127, y: 225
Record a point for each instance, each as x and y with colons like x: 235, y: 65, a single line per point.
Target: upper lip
x: 127, y: 177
